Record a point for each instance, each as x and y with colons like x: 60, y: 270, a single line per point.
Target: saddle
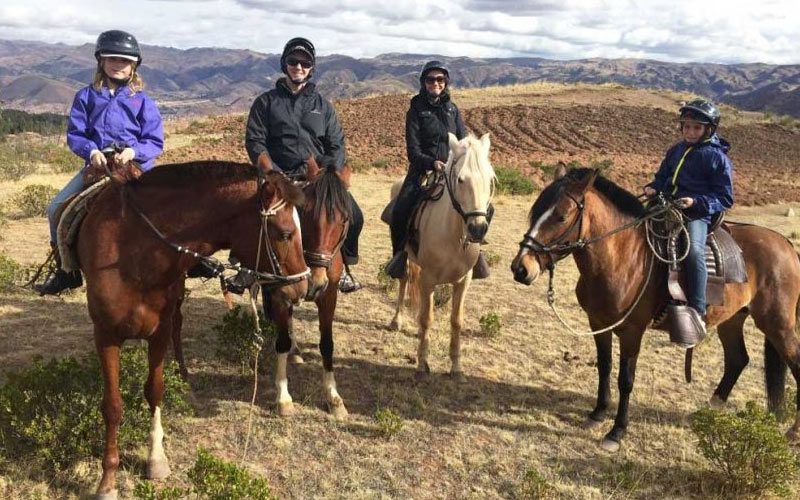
x: 69, y: 223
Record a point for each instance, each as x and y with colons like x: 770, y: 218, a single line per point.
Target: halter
x: 275, y: 279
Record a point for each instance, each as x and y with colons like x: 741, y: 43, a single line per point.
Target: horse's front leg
x: 280, y: 315
x: 326, y: 306
x: 157, y: 464
x: 424, y: 320
x: 456, y: 324
x: 629, y: 354
x: 108, y: 351
x: 397, y: 321
x: 602, y: 343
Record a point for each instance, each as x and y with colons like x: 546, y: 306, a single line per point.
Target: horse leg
x: 786, y: 344
x: 397, y: 321
x: 425, y: 319
x: 456, y: 324
x: 731, y: 334
x: 177, y: 342
x: 295, y: 353
x: 157, y: 464
x: 326, y: 305
x: 108, y: 351
x: 281, y: 317
x: 629, y: 354
x: 602, y: 342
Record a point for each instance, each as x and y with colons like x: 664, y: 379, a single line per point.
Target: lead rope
x: 551, y: 301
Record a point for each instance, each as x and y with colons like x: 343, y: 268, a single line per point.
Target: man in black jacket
x: 430, y: 117
x: 293, y: 122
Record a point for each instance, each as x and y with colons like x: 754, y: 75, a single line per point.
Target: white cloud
x: 673, y: 30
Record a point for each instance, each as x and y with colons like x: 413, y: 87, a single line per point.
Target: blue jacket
x: 98, y: 119
x: 704, y: 173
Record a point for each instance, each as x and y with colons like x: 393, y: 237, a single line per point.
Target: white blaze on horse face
x: 296, y: 218
x: 535, y: 229
x: 281, y: 381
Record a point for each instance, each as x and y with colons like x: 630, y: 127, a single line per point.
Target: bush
x: 237, y: 338
x: 33, y: 200
x: 380, y: 163
x: 61, y: 159
x: 15, y: 160
x: 216, y: 479
x: 510, y: 181
x: 490, y: 324
x: 534, y: 486
x: 51, y: 411
x: 389, y: 422
x: 11, y: 273
x: 492, y: 258
x: 146, y: 490
x: 388, y: 284
x: 746, y: 447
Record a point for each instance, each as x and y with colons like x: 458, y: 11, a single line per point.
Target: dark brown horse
x: 581, y: 206
x: 324, y: 220
x: 135, y: 277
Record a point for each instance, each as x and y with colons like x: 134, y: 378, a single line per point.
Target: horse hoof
x: 394, y: 326
x: 337, y: 409
x: 286, y: 409
x: 295, y: 359
x: 111, y: 495
x: 716, y: 403
x: 591, y: 423
x: 610, y: 445
x: 158, y: 469
x: 458, y: 376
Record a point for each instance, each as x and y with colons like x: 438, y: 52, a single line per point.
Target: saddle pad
x: 70, y: 222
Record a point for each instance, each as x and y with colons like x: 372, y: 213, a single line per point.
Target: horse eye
x: 562, y: 218
x: 460, y: 180
x: 285, y: 235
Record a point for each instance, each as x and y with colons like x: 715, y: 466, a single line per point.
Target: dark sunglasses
x: 293, y: 61
x: 435, y: 79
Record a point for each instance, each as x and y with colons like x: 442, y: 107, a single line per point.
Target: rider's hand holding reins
x: 438, y: 166
x: 685, y: 202
x: 97, y: 160
x: 125, y: 156
x: 649, y: 192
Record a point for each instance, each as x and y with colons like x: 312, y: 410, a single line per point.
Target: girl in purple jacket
x: 113, y: 111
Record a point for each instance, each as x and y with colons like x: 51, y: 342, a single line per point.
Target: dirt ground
x: 520, y: 409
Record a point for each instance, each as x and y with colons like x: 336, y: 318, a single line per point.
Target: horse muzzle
x: 317, y: 283
x: 476, y: 230
x: 525, y: 269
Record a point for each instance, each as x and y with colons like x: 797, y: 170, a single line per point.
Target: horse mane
x: 472, y: 159
x: 621, y: 198
x: 330, y: 194
x: 182, y: 173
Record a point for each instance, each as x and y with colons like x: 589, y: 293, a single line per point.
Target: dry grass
x: 526, y: 393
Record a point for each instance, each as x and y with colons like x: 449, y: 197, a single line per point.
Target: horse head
x: 555, y: 224
x: 280, y: 200
x: 325, y: 218
x: 470, y: 181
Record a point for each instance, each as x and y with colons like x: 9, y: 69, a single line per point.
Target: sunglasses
x: 293, y: 61
x: 435, y: 79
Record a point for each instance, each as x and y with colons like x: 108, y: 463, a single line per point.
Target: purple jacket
x: 98, y: 119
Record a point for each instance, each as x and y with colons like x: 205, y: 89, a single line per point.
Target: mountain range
x: 37, y: 76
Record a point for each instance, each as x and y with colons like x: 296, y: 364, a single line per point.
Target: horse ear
x: 452, y: 140
x: 588, y: 180
x: 561, y: 171
x: 485, y: 142
x: 345, y: 175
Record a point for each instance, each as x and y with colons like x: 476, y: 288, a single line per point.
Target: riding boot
x: 59, y: 280
x: 481, y: 269
x: 396, y: 267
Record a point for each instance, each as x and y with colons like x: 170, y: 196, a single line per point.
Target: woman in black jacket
x: 430, y: 117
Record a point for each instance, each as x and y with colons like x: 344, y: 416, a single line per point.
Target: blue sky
x: 731, y: 31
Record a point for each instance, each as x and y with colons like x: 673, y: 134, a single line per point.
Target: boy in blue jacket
x: 113, y: 110
x: 698, y: 173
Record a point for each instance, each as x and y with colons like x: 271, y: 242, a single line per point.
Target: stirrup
x: 348, y: 283
x: 396, y: 267
x: 481, y: 269
x: 58, y: 281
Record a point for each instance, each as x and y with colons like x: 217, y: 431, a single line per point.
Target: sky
x: 717, y: 31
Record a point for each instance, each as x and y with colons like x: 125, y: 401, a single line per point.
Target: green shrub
x: 3, y: 222
x: 11, y: 273
x: 358, y: 165
x: 534, y: 486
x: 389, y: 422
x: 32, y: 201
x: 510, y: 181
x: 491, y: 324
x: 746, y: 447
x: 380, y: 163
x: 237, y: 338
x: 603, y: 165
x: 13, y: 121
x: 51, y: 411
x: 15, y: 159
x: 146, y: 490
x: 215, y: 479
x: 61, y: 159
x: 388, y: 284
x: 492, y: 258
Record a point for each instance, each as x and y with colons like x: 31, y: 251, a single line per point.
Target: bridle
x: 450, y: 178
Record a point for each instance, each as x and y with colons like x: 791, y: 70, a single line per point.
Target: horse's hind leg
x: 157, y: 464
x: 108, y: 351
x: 456, y: 324
x: 326, y: 305
x: 397, y: 321
x: 602, y: 342
x: 731, y: 334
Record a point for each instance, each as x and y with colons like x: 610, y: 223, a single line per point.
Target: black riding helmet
x: 430, y: 66
x: 302, y: 45
x: 117, y: 43
x: 702, y: 111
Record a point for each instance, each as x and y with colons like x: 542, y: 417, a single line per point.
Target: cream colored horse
x: 450, y: 231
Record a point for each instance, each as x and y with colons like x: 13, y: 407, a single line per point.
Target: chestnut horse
x: 135, y: 246
x: 578, y: 214
x: 324, y: 219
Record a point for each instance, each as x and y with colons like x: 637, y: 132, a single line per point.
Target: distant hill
x: 43, y: 77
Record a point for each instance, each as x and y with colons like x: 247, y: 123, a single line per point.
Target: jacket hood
x: 716, y: 141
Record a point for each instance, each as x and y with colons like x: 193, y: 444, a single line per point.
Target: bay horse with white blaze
x: 451, y: 229
x: 135, y: 246
x: 581, y: 213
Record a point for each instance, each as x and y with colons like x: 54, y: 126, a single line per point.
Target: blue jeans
x: 74, y: 186
x: 696, y: 272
